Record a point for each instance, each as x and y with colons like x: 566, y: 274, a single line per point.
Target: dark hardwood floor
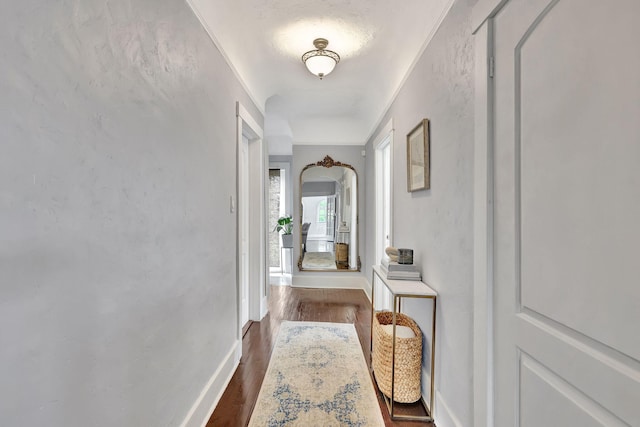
x: 287, y: 303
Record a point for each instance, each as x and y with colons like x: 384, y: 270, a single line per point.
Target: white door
x: 567, y: 213
x: 243, y: 226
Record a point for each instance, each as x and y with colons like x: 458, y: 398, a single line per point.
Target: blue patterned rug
x: 317, y: 376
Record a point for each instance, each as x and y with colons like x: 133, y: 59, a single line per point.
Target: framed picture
x: 418, y: 157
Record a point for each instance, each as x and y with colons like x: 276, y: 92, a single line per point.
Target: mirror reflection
x: 329, y: 220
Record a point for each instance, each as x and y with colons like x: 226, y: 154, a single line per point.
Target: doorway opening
x: 280, y: 250
x: 279, y: 204
x: 320, y: 213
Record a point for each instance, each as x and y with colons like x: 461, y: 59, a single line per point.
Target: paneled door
x: 567, y: 213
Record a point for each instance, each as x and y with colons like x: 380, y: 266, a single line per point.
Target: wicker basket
x: 342, y: 253
x: 408, y: 358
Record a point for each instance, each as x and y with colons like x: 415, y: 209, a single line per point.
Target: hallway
x: 300, y: 304
x: 134, y: 160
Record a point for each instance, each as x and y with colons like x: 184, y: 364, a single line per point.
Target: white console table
x: 405, y: 289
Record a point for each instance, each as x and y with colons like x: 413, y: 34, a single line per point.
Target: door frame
x: 257, y: 244
x: 385, y: 139
x: 483, y: 193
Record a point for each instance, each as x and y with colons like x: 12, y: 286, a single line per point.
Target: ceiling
x: 378, y: 42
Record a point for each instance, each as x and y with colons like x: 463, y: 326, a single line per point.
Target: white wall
x: 117, y: 254
x: 438, y: 223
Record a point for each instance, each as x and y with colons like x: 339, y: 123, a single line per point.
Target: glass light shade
x: 320, y: 65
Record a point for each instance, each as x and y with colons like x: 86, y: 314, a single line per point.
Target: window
x: 322, y: 211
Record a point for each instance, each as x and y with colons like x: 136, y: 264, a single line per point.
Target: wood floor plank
x: 302, y: 304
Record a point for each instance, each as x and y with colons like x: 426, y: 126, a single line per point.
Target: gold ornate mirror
x: 329, y: 217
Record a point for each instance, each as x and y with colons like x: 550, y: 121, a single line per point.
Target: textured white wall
x: 117, y: 254
x: 438, y: 223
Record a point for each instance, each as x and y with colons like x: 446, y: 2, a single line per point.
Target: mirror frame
x: 328, y: 162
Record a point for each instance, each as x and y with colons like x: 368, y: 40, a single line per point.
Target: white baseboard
x: 367, y: 288
x: 201, y: 411
x: 443, y: 416
x: 264, y: 307
x: 349, y: 281
x: 238, y: 355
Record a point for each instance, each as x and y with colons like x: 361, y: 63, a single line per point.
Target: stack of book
x: 395, y: 271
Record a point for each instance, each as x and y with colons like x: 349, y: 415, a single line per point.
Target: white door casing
x: 251, y: 180
x: 561, y: 285
x: 383, y: 149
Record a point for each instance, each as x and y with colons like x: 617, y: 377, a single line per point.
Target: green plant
x: 285, y: 224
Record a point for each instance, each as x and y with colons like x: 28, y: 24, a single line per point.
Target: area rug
x: 319, y: 260
x: 317, y: 376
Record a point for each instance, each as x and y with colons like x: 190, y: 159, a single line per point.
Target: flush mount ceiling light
x: 320, y: 61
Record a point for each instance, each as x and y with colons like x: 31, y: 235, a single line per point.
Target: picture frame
x: 418, y: 157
